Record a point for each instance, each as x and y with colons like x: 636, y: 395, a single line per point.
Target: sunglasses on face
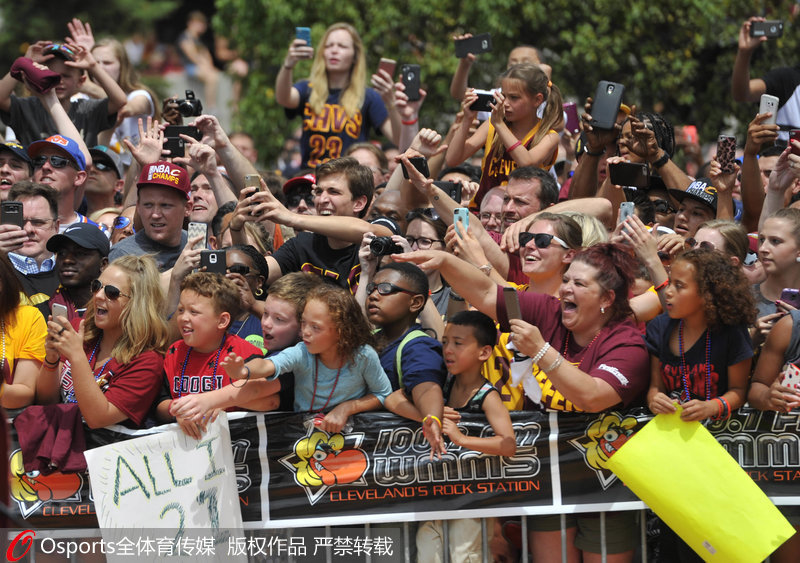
x: 541, y: 240
x: 428, y: 212
x: 663, y: 206
x: 386, y: 288
x: 55, y: 161
x: 241, y: 269
x: 120, y: 222
x: 295, y: 199
x: 111, y: 291
x: 60, y: 48
x: 692, y: 243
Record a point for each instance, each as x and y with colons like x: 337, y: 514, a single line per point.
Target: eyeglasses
x: 111, y: 291
x: 423, y: 243
x: 120, y: 222
x: 55, y: 161
x: 663, y: 206
x: 541, y: 240
x: 37, y: 223
x: 692, y: 243
x: 241, y: 269
x: 386, y: 288
x: 428, y: 212
x: 485, y: 217
x: 295, y: 199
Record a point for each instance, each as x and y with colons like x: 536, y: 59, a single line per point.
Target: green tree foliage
x: 674, y: 56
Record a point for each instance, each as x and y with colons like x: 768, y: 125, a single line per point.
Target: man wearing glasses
x: 59, y: 162
x: 27, y: 246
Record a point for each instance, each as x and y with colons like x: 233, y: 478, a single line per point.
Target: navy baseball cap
x: 18, y: 150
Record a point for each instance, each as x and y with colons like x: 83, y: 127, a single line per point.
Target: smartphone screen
x: 512, y: 303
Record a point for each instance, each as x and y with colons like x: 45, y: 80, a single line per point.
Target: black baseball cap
x: 85, y: 235
x: 18, y: 150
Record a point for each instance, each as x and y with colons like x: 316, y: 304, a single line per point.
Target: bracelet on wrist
x: 410, y: 121
x: 246, y: 379
x: 429, y: 416
x: 662, y: 285
x: 554, y: 366
x: 541, y: 353
x: 661, y: 161
x: 514, y: 146
x: 486, y: 269
x: 590, y: 153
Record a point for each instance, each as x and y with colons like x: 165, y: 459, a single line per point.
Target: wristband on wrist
x: 541, y: 353
x: 662, y: 285
x: 429, y: 416
x: 512, y: 147
x: 246, y: 379
x: 410, y: 121
x: 661, y: 161
x: 486, y: 269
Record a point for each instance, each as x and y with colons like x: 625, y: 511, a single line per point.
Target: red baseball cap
x: 163, y: 173
x: 299, y: 181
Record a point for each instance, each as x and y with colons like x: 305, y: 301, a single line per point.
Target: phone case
x: 420, y: 163
x: 388, y: 65
x: 196, y: 229
x: 769, y: 103
x: 606, y: 104
x: 768, y: 28
x: 573, y: 122
x: 512, y: 303
x: 252, y: 181
x: 58, y: 310
x: 174, y: 131
x: 461, y: 215
x: 11, y: 213
x: 726, y: 153
x: 482, y: 103
x: 626, y: 209
x: 303, y: 33
x: 410, y: 74
x: 214, y: 261
x: 476, y: 44
x: 790, y: 377
x: 791, y: 296
x: 632, y: 174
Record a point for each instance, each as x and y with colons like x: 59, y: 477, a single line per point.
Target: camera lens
x: 773, y: 29
x: 610, y: 89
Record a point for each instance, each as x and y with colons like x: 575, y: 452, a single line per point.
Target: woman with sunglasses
x: 248, y: 269
x: 425, y: 231
x: 587, y: 354
x: 111, y: 364
x: 123, y: 227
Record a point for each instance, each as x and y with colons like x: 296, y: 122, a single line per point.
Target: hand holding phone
x: 303, y: 33
x: 476, y: 44
x: 214, y: 261
x: 418, y: 162
x: 769, y: 104
x: 484, y: 101
x: 59, y: 310
x: 461, y: 215
x: 389, y: 65
x: 726, y: 153
x: 607, y: 101
x: 11, y: 213
x: 196, y: 229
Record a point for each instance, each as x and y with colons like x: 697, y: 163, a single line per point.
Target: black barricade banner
x: 378, y: 469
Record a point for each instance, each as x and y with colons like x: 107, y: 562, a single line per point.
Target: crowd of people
x: 142, y: 286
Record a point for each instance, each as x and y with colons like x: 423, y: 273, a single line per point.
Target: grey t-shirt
x: 140, y: 244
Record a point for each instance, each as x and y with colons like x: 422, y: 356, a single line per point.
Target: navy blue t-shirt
x: 422, y: 361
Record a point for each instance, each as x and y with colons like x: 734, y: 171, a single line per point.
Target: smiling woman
x: 111, y: 362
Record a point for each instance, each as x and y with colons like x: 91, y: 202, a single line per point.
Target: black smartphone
x: 476, y: 44
x: 11, y: 214
x: 512, y: 303
x: 768, y: 28
x: 410, y: 77
x: 214, y: 261
x: 453, y: 189
x: 605, y: 107
x: 303, y: 33
x: 485, y: 98
x: 420, y: 163
x: 632, y: 174
x: 173, y: 142
x: 726, y: 153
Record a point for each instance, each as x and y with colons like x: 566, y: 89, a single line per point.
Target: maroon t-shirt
x: 618, y: 356
x: 515, y: 274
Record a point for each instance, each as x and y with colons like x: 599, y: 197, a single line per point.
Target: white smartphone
x: 626, y: 209
x: 196, y: 229
x: 769, y: 103
x: 59, y: 310
x: 461, y: 215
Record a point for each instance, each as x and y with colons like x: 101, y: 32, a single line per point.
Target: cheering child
x: 337, y: 373
x: 700, y: 349
x: 197, y: 387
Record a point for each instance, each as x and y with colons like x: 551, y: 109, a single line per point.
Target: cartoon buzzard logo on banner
x: 320, y: 461
x: 603, y: 437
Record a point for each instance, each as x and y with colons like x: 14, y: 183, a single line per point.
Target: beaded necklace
x: 3, y: 361
x: 685, y: 395
x: 314, y: 392
x: 213, y: 375
x: 99, y: 378
x: 566, y: 345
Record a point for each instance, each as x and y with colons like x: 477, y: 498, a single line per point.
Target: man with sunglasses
x: 162, y: 204
x: 58, y: 161
x: 299, y: 196
x: 105, y: 179
x: 81, y: 256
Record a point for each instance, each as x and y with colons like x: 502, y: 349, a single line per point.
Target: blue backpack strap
x: 398, y: 356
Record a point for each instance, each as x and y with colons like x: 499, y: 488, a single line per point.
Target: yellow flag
x: 686, y: 477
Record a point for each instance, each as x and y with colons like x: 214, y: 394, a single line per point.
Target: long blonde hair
x: 352, y: 97
x: 143, y: 324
